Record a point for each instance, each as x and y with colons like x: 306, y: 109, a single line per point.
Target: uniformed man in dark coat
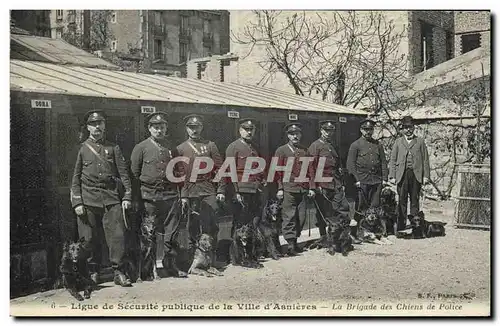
x: 248, y: 204
x: 367, y: 163
x: 96, y: 196
x: 202, y: 196
x: 158, y: 196
x: 331, y: 201
x: 294, y: 194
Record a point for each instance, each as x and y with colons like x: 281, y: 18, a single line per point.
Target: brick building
x: 162, y: 40
x: 36, y: 22
x: 472, y: 30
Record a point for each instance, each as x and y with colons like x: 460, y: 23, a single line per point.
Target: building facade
x: 472, y: 30
x: 36, y: 22
x: 162, y: 40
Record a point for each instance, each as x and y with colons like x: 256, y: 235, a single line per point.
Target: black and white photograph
x: 250, y: 163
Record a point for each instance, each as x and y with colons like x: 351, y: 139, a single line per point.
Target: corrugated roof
x: 55, y: 51
x: 41, y: 77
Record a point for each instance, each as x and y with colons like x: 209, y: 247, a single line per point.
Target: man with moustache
x: 248, y: 204
x: 367, y: 163
x: 156, y: 194
x: 294, y: 194
x: 332, y: 205
x: 100, y: 171
x: 409, y: 169
x: 201, y: 197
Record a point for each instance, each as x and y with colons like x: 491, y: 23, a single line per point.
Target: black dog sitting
x: 339, y: 238
x: 421, y: 228
x: 389, y: 206
x: 243, y: 249
x: 267, y: 230
x: 75, y: 271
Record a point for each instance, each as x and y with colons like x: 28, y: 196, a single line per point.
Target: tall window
x: 426, y: 53
x: 158, y: 50
x: 470, y: 42
x: 183, y: 52
x: 206, y: 26
x: 184, y: 24
x: 59, y: 32
x: 450, y: 45
x: 59, y: 14
x: 114, y: 45
x: 207, y: 51
x: 113, y: 17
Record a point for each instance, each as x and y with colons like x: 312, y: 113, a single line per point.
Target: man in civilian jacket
x: 409, y: 169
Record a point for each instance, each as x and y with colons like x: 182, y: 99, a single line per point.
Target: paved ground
x: 456, y: 264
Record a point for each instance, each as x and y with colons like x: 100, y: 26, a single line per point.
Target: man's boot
x: 94, y: 274
x: 354, y: 235
x: 292, y: 245
x: 121, y: 279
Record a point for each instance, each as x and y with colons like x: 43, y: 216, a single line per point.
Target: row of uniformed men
x: 100, y: 169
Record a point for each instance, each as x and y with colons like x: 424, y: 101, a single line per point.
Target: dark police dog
x: 339, y: 238
x: 204, y: 257
x: 421, y: 228
x: 372, y: 227
x: 147, y: 268
x: 389, y: 206
x: 267, y: 227
x: 243, y: 246
x: 75, y: 271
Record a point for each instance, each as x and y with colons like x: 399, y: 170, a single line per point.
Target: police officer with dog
x: 366, y: 161
x: 248, y: 192
x: 201, y: 198
x: 100, y: 194
x: 332, y: 205
x: 295, y: 194
x: 158, y: 196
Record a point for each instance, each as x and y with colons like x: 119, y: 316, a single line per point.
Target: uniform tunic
x: 366, y: 161
x: 240, y: 150
x: 96, y: 185
x: 295, y: 207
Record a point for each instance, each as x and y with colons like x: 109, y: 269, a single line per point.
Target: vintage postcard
x: 250, y: 163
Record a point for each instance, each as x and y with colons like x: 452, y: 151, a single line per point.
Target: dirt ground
x: 456, y: 264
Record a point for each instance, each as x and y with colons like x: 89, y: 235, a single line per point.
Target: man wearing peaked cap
x: 94, y: 115
x: 248, y: 123
x: 98, y: 197
x: 201, y: 198
x: 366, y: 161
x: 193, y: 120
x: 327, y: 125
x: 295, y: 194
x: 247, y: 200
x: 155, y: 118
x: 408, y: 168
x: 155, y: 195
x: 330, y: 198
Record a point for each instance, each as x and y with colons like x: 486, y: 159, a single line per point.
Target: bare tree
x: 345, y: 58
x: 100, y: 31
